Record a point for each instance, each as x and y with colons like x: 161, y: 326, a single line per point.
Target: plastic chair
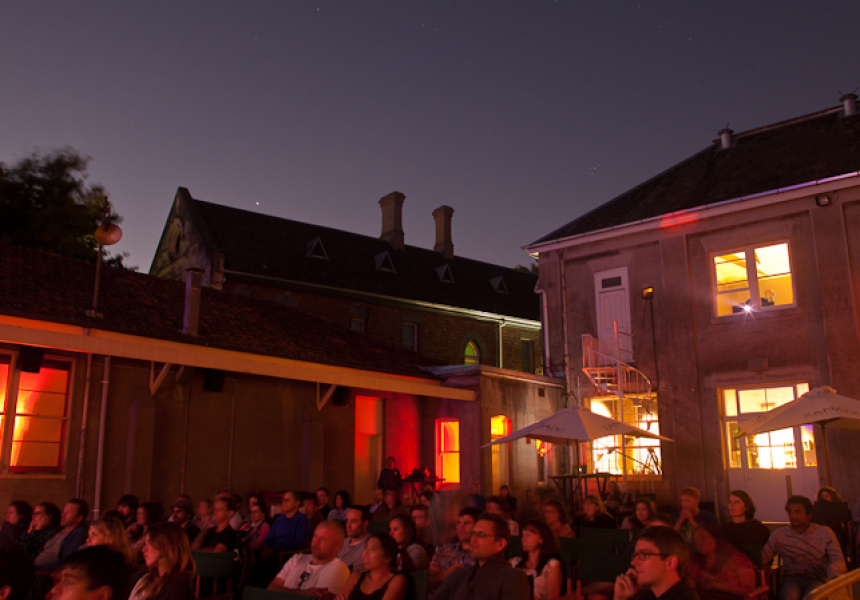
x: 217, y: 568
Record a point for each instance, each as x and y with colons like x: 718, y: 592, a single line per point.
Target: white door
x: 613, y: 316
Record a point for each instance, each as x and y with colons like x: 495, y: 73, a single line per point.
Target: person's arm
x: 625, y: 585
x: 769, y: 550
x: 197, y: 544
x: 553, y: 579
x: 397, y: 588
x: 346, y: 590
x: 835, y: 559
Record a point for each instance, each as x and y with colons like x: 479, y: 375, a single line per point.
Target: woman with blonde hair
x: 594, y: 515
x: 167, y: 555
x: 111, y: 532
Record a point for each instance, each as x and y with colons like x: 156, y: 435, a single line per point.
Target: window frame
x: 441, y: 452
x: 414, y: 327
x: 752, y: 278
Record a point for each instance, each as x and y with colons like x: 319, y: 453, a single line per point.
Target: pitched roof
x: 801, y: 150
x: 258, y: 245
x: 47, y: 287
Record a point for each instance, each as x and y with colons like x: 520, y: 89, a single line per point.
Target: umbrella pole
x: 826, y: 454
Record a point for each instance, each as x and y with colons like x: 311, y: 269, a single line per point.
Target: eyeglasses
x: 647, y: 555
x: 481, y: 535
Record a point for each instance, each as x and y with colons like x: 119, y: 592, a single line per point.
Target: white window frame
x: 752, y: 278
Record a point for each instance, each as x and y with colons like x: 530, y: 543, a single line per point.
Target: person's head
x: 107, y: 532
x: 660, y: 557
x: 167, y: 549
x: 75, y: 512
x: 496, y: 505
x: 536, y: 535
x: 257, y: 514
x: 554, y: 513
x: 127, y: 505
x: 505, y: 491
x: 466, y: 519
x: 204, y: 509
x: 222, y: 510
x: 391, y: 497
x: 357, y: 520
x: 476, y: 488
x: 427, y: 498
x: 403, y: 530
x: 489, y: 537
x: 342, y: 500
x: 740, y: 504
x: 322, y: 496
x: 16, y: 574
x: 690, y: 497
x: 828, y: 494
x: 181, y: 510
x: 96, y: 573
x: 327, y: 540
x: 593, y: 506
x: 377, y: 495
x: 643, y: 510
x: 421, y: 515
x: 706, y: 538
x: 46, y: 515
x: 19, y: 511
x: 389, y: 464
x: 290, y: 502
x: 379, y: 552
x: 309, y: 503
x: 799, y: 510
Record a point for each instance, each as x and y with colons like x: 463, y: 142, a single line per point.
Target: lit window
x: 448, y: 451
x: 410, y: 336
x: 753, y: 278
x: 37, y: 410
x: 500, y: 426
x: 472, y: 354
x: 624, y: 454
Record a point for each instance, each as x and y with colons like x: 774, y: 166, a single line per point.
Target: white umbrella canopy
x: 570, y: 426
x: 820, y: 405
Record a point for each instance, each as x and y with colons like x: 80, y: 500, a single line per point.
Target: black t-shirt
x: 227, y: 536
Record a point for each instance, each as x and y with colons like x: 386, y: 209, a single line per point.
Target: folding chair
x: 215, y: 568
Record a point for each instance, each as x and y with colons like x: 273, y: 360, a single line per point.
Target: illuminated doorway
x: 368, y: 447
x: 500, y: 426
x: 448, y: 452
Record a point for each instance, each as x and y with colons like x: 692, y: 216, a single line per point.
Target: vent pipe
x: 726, y: 138
x: 849, y: 103
x: 191, y: 315
x: 392, y: 219
x: 443, y: 245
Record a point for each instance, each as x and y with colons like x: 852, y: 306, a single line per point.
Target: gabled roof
x: 802, y: 150
x: 47, y: 287
x: 257, y: 245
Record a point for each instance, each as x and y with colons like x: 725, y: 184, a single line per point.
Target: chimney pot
x: 191, y: 315
x: 443, y: 245
x: 392, y: 219
x: 849, y: 103
x: 726, y: 138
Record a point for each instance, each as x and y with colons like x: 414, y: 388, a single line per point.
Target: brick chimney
x: 392, y: 219
x: 443, y: 245
x: 849, y: 104
x: 191, y: 314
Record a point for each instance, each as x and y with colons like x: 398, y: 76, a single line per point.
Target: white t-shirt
x: 300, y: 574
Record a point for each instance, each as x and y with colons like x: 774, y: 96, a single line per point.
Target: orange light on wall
x: 542, y: 447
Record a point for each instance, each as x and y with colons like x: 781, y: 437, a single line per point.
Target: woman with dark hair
x: 256, y: 530
x: 644, y: 515
x: 127, y: 506
x: 555, y: 515
x: 16, y: 524
x: 718, y: 570
x: 169, y: 564
x: 411, y: 556
x: 829, y: 509
x: 540, y: 560
x: 743, y: 529
x: 594, y: 515
x: 256, y: 499
x: 379, y: 581
x: 147, y: 514
x: 43, y: 524
x: 342, y: 502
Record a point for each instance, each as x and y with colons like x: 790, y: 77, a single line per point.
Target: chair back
x: 257, y: 593
x: 417, y: 589
x: 753, y: 552
x: 605, y: 541
x: 380, y: 526
x: 515, y: 547
x: 215, y: 569
x: 605, y: 568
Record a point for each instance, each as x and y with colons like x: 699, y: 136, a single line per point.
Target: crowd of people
x: 331, y: 547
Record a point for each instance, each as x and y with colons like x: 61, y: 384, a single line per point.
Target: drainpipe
x: 101, y: 447
x: 544, y: 320
x: 502, y: 323
x: 79, y: 482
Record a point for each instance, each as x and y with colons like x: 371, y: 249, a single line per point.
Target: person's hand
x: 625, y: 585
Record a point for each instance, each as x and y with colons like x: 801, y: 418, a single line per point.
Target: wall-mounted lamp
x: 823, y: 200
x: 647, y: 293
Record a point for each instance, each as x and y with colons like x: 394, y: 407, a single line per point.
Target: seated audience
x: 178, y: 499
x: 718, y: 570
x: 236, y: 519
x: 17, y: 523
x: 68, y: 539
x: 475, y: 498
x: 448, y: 558
x: 44, y: 523
x: 691, y: 516
x: 391, y: 506
x: 110, y: 532
x: 376, y: 580
x: 612, y: 498
x: 290, y: 529
x: 540, y: 560
x: 377, y: 500
x: 629, y: 496
x: 496, y: 505
x: 127, y: 507
x: 424, y: 533
x: 505, y: 493
x: 319, y: 571
x: 411, y: 555
x: 203, y: 518
x: 181, y: 515
x: 829, y: 509
x: 169, y: 565
x: 555, y: 515
x: 594, y: 516
x: 427, y: 498
x: 16, y: 574
x: 221, y: 537
x: 357, y: 520
x: 147, y: 514
x: 810, y: 552
x: 256, y: 498
x: 254, y: 533
x: 309, y: 507
x: 743, y: 529
x: 342, y: 502
x: 644, y: 515
x: 94, y: 573
x: 491, y: 577
x: 657, y: 569
x: 322, y: 502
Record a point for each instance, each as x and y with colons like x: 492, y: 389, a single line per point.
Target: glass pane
x: 35, y: 454
x: 779, y: 396
x: 808, y: 438
x: 773, y: 450
x: 733, y: 303
x: 730, y: 402
x: 29, y: 429
x: 4, y: 384
x: 500, y: 426
x: 802, y: 388
x: 41, y: 403
x: 473, y: 356
x: 731, y: 271
x: 450, y: 436
x: 774, y: 275
x: 733, y: 444
x: 752, y: 401
x: 47, y: 380
x: 451, y: 467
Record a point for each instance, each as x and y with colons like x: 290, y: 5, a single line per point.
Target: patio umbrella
x: 820, y: 405
x: 570, y: 426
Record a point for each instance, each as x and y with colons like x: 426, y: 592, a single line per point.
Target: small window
x: 357, y: 324
x: 499, y: 284
x: 448, y: 451
x: 410, y: 336
x: 472, y: 354
x: 444, y: 274
x: 316, y: 249
x: 753, y: 279
x: 527, y: 356
x: 384, y: 263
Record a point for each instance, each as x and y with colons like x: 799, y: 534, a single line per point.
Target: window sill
x: 7, y: 475
x: 743, y: 317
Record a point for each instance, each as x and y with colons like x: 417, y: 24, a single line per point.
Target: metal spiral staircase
x: 605, y: 367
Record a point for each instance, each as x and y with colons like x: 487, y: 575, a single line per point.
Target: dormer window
x: 499, y: 285
x: 384, y: 263
x: 315, y: 249
x: 444, y: 273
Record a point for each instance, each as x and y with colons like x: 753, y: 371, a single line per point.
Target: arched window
x: 472, y: 354
x: 448, y: 451
x: 500, y: 426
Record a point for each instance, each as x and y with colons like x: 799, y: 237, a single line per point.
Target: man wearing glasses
x: 491, y: 577
x: 659, y: 563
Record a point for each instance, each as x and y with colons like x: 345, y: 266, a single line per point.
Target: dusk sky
x: 520, y: 115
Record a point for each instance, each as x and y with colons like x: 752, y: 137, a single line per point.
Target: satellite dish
x: 108, y: 235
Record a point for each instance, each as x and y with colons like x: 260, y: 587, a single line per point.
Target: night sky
x: 521, y: 115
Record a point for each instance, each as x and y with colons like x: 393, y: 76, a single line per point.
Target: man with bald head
x: 319, y: 571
